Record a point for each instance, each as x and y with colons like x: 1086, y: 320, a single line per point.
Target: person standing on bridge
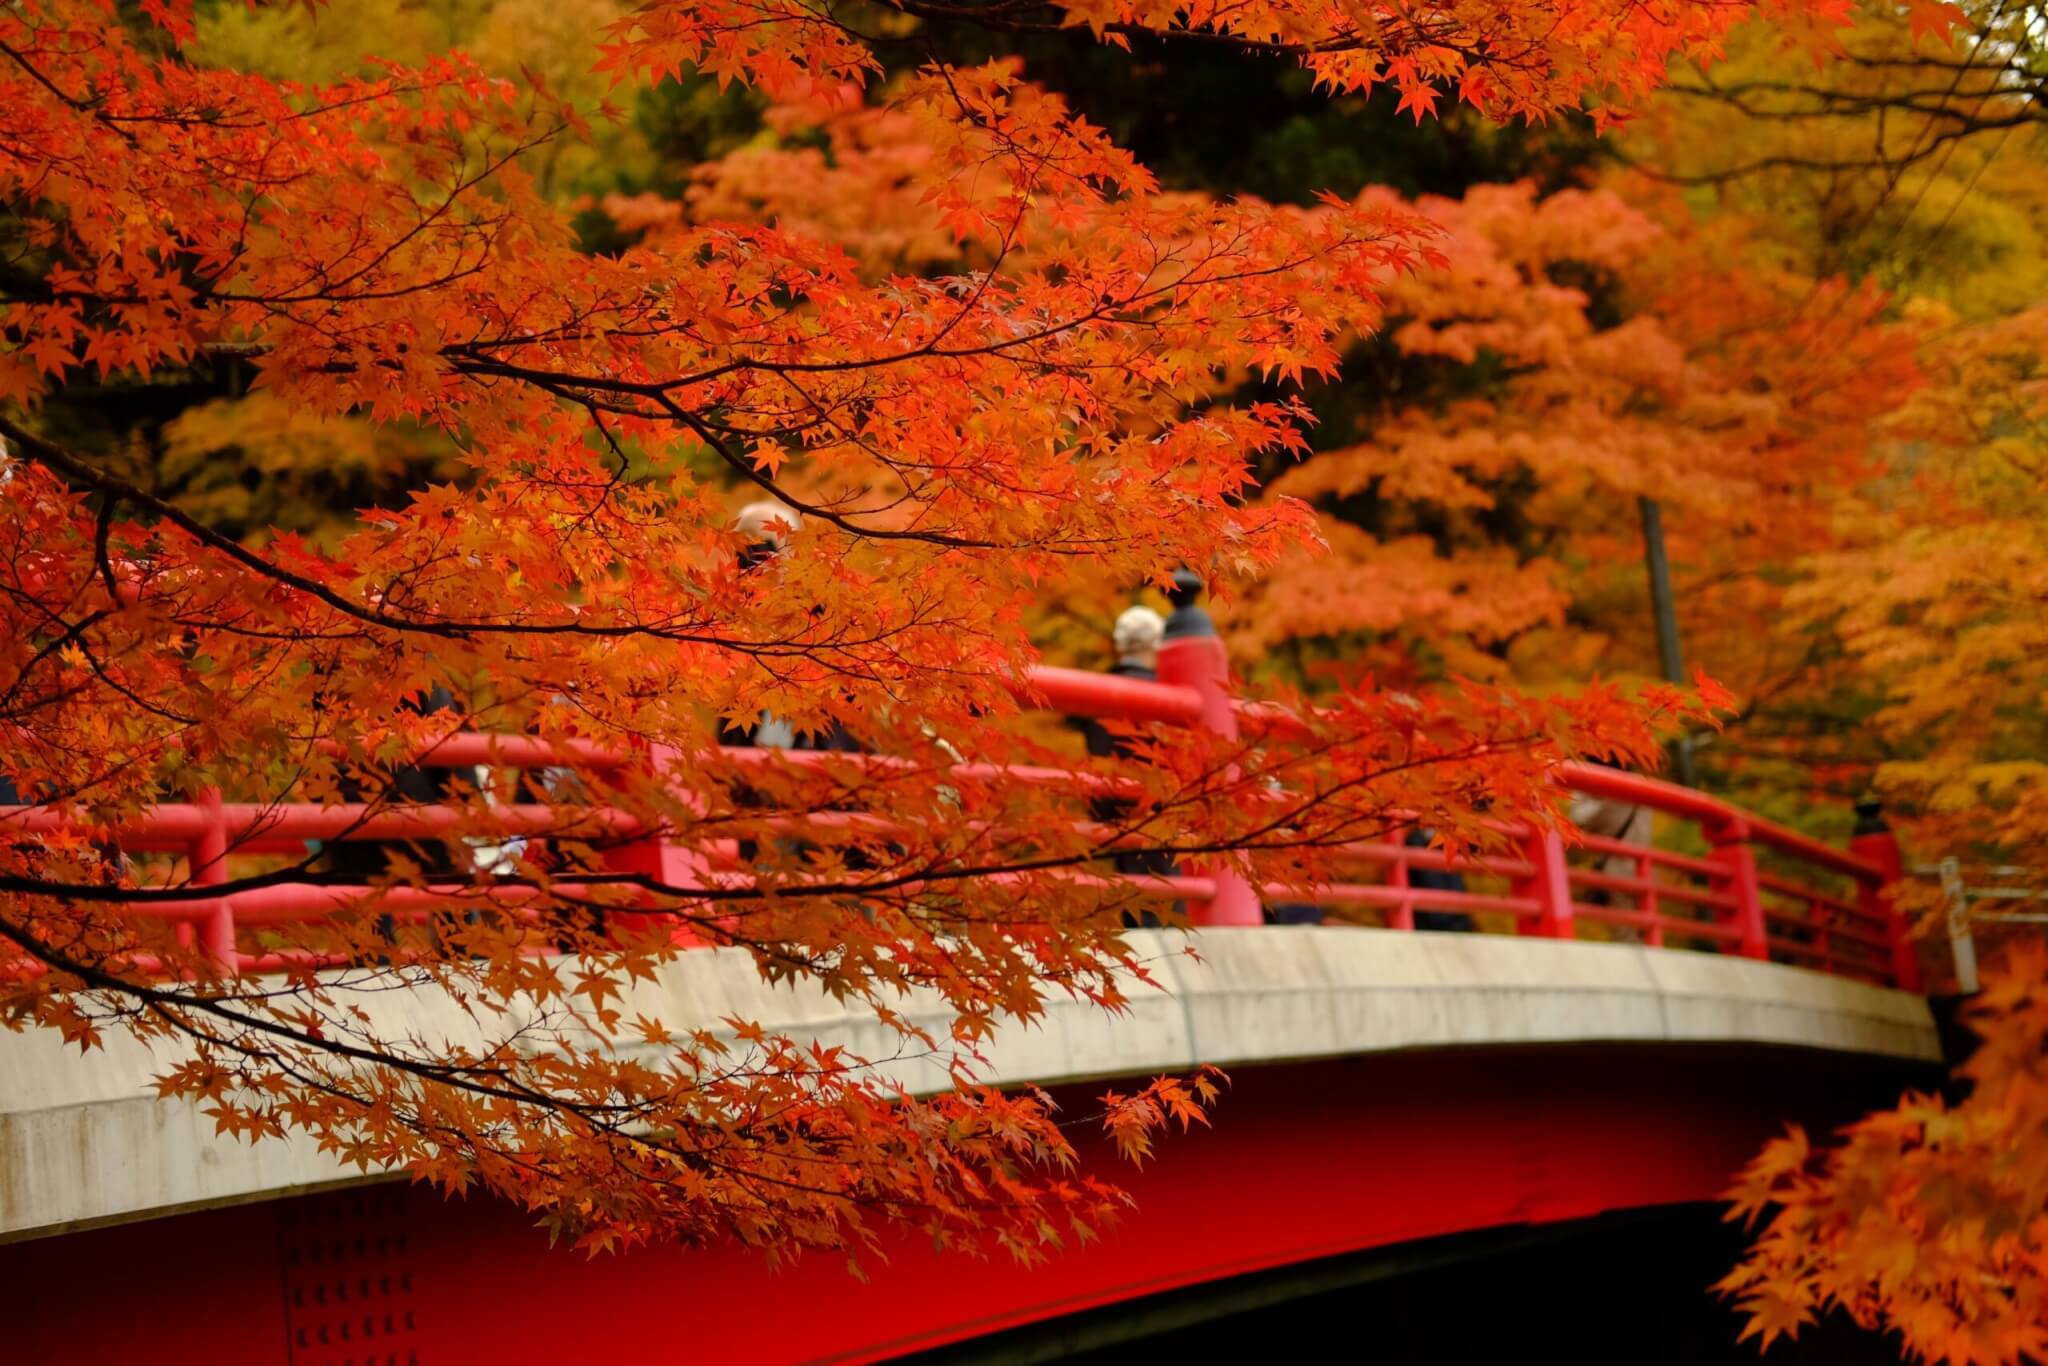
x: 1614, y: 819
x: 768, y: 527
x: 364, y: 861
x: 1435, y: 880
x: 1135, y: 638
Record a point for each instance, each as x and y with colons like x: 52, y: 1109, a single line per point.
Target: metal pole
x: 1666, y: 613
x: 1961, y: 943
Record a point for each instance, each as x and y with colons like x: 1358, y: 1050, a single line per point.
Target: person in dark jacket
x: 1291, y: 912
x: 768, y: 527
x: 363, y: 861
x: 415, y: 784
x: 1136, y: 637
x: 1436, y: 880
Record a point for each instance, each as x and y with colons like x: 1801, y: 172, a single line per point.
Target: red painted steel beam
x: 1303, y: 1162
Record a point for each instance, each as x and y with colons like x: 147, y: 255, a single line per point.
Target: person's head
x: 1136, y: 636
x: 767, y: 527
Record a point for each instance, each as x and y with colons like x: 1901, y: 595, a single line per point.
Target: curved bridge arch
x: 1388, y: 1087
x: 84, y: 1141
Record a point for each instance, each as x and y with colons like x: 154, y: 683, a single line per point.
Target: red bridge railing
x: 1758, y: 889
x: 1761, y: 889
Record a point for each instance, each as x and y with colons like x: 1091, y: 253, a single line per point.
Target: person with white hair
x: 1136, y: 637
x: 767, y: 526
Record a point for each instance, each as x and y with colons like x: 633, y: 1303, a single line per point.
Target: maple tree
x: 1578, y: 351
x: 1478, y: 489
x: 1861, y: 557
x: 1910, y: 167
x: 1937, y: 217
x: 1916, y: 626
x: 1942, y: 595
x: 1502, y: 547
x: 1927, y: 1218
x: 1474, y: 470
x: 1930, y: 1219
x: 1024, y: 392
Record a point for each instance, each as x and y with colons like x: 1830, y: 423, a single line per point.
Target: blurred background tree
x: 1792, y: 305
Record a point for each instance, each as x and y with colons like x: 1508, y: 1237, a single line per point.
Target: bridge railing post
x: 1549, y: 884
x: 1401, y: 915
x: 210, y: 869
x: 1191, y: 655
x: 660, y: 859
x: 1737, y: 859
x: 1874, y: 842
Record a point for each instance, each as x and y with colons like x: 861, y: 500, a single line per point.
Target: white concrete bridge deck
x: 84, y: 1141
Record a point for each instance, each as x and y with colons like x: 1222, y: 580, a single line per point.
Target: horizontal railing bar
x: 1771, y: 882
x: 1724, y: 822
x: 1997, y: 870
x: 1341, y: 894
x: 1663, y: 858
x: 474, y: 749
x: 253, y: 827
x: 1436, y: 860
x: 1078, y: 692
x: 1647, y: 920
x: 1674, y: 891
x: 1846, y: 933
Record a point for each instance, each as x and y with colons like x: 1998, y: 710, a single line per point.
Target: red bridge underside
x: 1304, y: 1162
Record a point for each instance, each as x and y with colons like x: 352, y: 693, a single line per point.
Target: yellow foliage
x: 317, y: 470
